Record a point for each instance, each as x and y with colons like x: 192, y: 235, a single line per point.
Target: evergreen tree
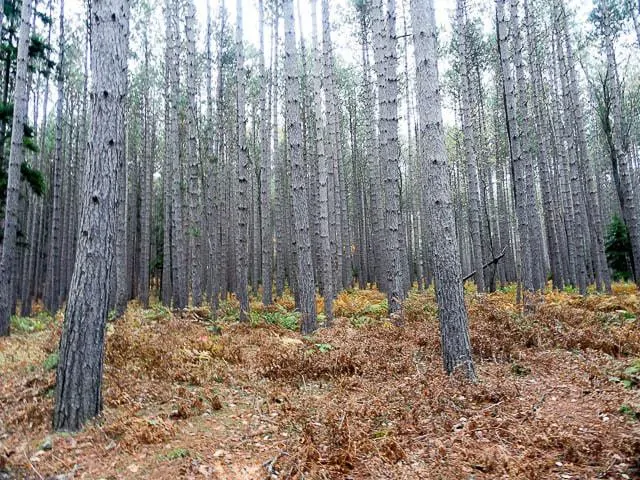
x: 618, y: 248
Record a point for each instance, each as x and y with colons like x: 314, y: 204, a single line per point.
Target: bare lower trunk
x: 470, y: 149
x: 194, y: 168
x: 305, y: 278
x: 146, y: 189
x: 389, y: 151
x: 79, y: 374
x: 325, y: 245
x: 21, y: 100
x: 454, y: 329
x: 265, y: 174
x: 242, y: 247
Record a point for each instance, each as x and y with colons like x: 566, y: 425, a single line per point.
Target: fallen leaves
x: 364, y: 398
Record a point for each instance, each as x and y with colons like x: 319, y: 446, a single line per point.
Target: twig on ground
x: 270, y: 465
x: 32, y: 467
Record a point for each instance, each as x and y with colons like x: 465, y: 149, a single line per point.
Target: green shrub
x: 51, y: 362
x: 36, y: 323
x: 282, y: 318
x: 361, y: 321
x: 630, y: 376
x: 157, y: 312
x: 175, y: 454
x: 378, y: 310
x: 324, y: 347
x: 629, y: 411
x: 618, y: 249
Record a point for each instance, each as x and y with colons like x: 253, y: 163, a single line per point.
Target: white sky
x: 340, y: 10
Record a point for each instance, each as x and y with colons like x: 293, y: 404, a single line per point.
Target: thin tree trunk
x: 518, y: 173
x: 470, y: 149
x: 326, y: 274
x: 146, y: 191
x: 16, y: 157
x: 52, y: 299
x: 265, y: 172
x: 179, y: 290
x: 194, y: 229
x: 242, y: 250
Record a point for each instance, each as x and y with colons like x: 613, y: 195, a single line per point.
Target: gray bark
x: 454, y: 329
x: 242, y: 246
x: 326, y: 273
x: 146, y: 188
x: 619, y: 144
x: 179, y: 289
x: 304, y: 271
x: 470, y: 148
x: 52, y: 298
x: 20, y: 105
x: 591, y: 211
x: 524, y: 259
x: 194, y: 168
x: 79, y: 374
x: 265, y: 174
x: 577, y: 240
x: 525, y: 174
x: 541, y: 130
x: 123, y: 233
x: 389, y: 148
x: 332, y: 148
x: 372, y: 166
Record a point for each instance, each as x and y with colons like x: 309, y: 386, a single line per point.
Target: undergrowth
x: 558, y: 390
x: 41, y: 321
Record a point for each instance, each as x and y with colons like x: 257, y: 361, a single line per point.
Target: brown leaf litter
x: 362, y: 399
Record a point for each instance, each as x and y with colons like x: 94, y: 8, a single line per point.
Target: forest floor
x: 190, y: 395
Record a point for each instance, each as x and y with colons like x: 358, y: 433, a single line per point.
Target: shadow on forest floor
x: 187, y: 396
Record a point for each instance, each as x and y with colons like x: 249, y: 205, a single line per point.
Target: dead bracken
x: 362, y: 399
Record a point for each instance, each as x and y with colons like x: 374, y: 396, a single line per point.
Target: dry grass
x: 362, y: 399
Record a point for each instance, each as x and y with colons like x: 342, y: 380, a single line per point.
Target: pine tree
x: 20, y: 105
x: 304, y: 266
x: 454, y: 329
x: 79, y: 374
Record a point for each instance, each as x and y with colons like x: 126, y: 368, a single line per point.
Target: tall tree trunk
x: 372, y: 165
x: 265, y: 172
x: 195, y: 190
x: 242, y: 246
x: 389, y: 150
x: 146, y: 190
x: 518, y: 173
x: 591, y: 209
x: 540, y: 125
x: 304, y: 272
x: 35, y: 201
x: 16, y: 157
x: 79, y: 374
x: 52, y: 297
x: 326, y: 274
x: 618, y: 144
x: 179, y: 290
x: 454, y: 329
x: 470, y: 148
x: 577, y: 240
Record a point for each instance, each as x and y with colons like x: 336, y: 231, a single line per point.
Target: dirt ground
x: 195, y: 395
